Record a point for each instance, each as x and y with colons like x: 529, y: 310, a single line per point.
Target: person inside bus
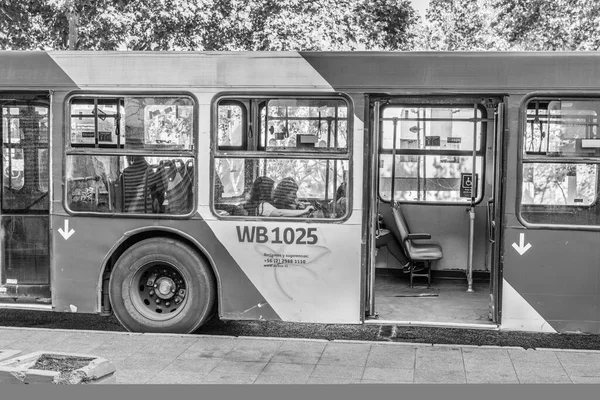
x: 143, y: 187
x: 340, y: 200
x: 263, y: 195
x: 285, y: 194
x: 260, y: 192
x: 220, y: 204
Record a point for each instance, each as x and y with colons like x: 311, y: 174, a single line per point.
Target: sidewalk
x: 194, y: 359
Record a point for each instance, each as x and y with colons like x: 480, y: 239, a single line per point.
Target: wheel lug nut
x: 167, y: 304
x: 152, y: 293
x: 157, y: 301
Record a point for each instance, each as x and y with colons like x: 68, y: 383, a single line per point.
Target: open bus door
x: 494, y: 215
x: 24, y: 199
x: 423, y: 150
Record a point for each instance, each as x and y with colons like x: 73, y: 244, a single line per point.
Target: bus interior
x: 434, y: 191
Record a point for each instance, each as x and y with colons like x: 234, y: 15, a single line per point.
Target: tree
x: 548, y: 25
x: 458, y: 25
x: 208, y: 24
x: 39, y: 24
x: 386, y: 24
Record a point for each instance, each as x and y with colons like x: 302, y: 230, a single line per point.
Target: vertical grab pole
x: 372, y: 209
x: 472, y: 208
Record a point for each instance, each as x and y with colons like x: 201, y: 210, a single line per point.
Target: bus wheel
x: 162, y: 285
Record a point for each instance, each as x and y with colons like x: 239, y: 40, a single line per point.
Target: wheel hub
x: 161, y: 291
x: 165, y: 288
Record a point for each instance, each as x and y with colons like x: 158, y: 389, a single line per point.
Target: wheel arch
x: 137, y: 235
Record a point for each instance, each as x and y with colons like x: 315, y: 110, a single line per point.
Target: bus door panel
x: 24, y: 213
x: 552, y: 215
x: 494, y: 213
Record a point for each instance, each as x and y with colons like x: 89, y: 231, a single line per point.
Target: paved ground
x: 169, y: 359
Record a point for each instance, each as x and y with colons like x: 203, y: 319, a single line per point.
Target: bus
x: 168, y: 188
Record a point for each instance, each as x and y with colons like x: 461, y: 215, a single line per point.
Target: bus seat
x: 418, y: 252
x: 134, y: 190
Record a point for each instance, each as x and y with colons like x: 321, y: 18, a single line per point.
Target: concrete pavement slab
x: 175, y: 377
x: 533, y: 356
x: 138, y: 360
x: 202, y: 366
x: 488, y: 366
x: 443, y: 355
x: 385, y: 356
x: 578, y: 357
x: 440, y: 375
x: 299, y: 352
x: 353, y: 373
x: 236, y: 367
x: 345, y: 354
x: 228, y: 379
x: 335, y: 380
x: 285, y: 372
x: 491, y: 377
x: 388, y: 375
x: 254, y: 350
x: 10, y: 336
x: 536, y: 372
x: 135, y: 376
x: 210, y: 347
x: 585, y: 379
x: 582, y: 370
x: 86, y: 343
x: 281, y: 380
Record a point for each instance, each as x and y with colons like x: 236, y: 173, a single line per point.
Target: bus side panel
x: 77, y: 268
x: 306, y: 272
x: 553, y: 285
x: 562, y: 288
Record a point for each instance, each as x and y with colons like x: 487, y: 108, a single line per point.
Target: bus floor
x: 445, y: 303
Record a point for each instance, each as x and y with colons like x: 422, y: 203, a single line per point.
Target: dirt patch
x: 61, y: 363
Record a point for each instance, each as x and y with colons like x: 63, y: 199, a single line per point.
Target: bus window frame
x: 432, y: 102
x: 253, y: 150
x: 35, y: 101
x: 69, y: 150
x: 536, y: 158
x: 245, y: 125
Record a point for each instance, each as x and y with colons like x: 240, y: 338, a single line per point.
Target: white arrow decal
x: 66, y: 233
x: 521, y: 248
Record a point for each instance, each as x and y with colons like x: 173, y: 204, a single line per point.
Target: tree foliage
x: 300, y: 25
x: 511, y: 25
x: 208, y: 24
x: 548, y: 25
x: 458, y: 25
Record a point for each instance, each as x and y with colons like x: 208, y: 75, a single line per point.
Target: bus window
x: 231, y: 125
x: 25, y: 170
x: 156, y: 180
x: 95, y: 122
x: 425, y: 152
x: 163, y: 123
x: 561, y: 128
x: 289, y: 128
x: 129, y: 184
x: 158, y: 123
x: 304, y: 124
x: 560, y: 179
x: 316, y: 184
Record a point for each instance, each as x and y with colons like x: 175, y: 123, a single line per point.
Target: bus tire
x: 162, y: 285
